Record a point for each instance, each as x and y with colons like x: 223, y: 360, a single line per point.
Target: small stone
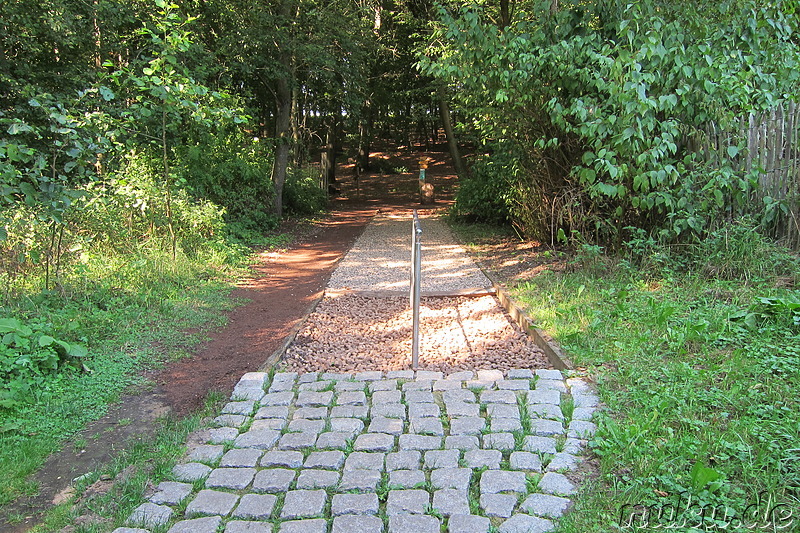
x: 281, y: 458
x: 314, y: 399
x: 427, y: 426
x: 171, y: 493
x: 525, y: 461
x: 467, y: 426
x: 390, y: 426
x: 406, y: 479
x: 255, y: 506
x: 361, y: 480
x: 563, y: 461
x: 468, y: 524
x: 276, y: 424
x: 209, y: 524
x: 490, y: 375
x: 520, y: 373
x: 364, y: 461
x: 242, y: 526
x: 333, y: 440
x: 533, y: 443
x: 241, y: 457
x: 308, y: 377
x: 304, y: 425
x: 303, y: 504
x: 522, y: 523
x: 419, y: 442
x: 386, y: 396
x: 574, y: 446
x: 317, y: 525
x: 317, y: 479
x: 543, y: 396
x: 337, y: 376
x: 297, y: 441
x: 222, y: 435
x: 424, y: 410
x: 311, y: 413
x: 499, y: 441
x: 546, y: 410
x: 551, y: 384
x: 546, y: 428
x: 409, y: 523
x: 403, y: 460
x: 212, y: 502
x: 348, y: 386
x: 332, y: 460
x: 352, y: 398
x: 446, y: 384
x: 514, y: 384
x: 278, y: 398
x: 262, y: 439
x: 291, y: 377
x: 505, y: 425
x: 190, y: 472
x: 583, y: 413
x: 150, y: 515
x: 418, y: 386
x: 353, y: 426
x: 206, y: 453
x: 545, y: 505
x: 451, y: 502
x: 230, y: 478
x: 360, y: 524
x: 499, y: 505
x: 234, y: 421
x: 389, y: 410
x: 273, y: 480
x: 553, y: 483
x: 419, y: 397
x: 483, y: 459
x: 442, y: 458
x: 456, y: 409
x: 386, y: 384
x: 502, y: 410
x: 462, y: 442
x: 371, y: 375
x: 413, y: 501
x: 507, y: 397
x: 374, y: 442
x: 354, y: 504
x: 497, y: 481
x: 451, y: 478
x: 463, y: 375
x: 239, y: 408
x: 479, y: 385
x: 130, y: 530
x: 428, y: 375
x: 461, y: 395
x: 315, y: 386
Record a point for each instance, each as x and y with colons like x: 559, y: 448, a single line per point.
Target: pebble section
x: 395, y: 452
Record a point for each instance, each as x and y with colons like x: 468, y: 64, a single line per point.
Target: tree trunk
x: 447, y: 124
x: 365, y: 137
x: 283, y: 131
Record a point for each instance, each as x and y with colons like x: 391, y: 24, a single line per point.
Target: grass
x: 133, y: 314
x: 697, y: 357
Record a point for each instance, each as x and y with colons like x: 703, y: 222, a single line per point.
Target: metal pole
x: 416, y: 267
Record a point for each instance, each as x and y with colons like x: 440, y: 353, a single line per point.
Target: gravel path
x: 380, y: 258
x: 345, y: 437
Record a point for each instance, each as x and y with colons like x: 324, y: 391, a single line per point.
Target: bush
x: 302, y: 195
x: 484, y: 195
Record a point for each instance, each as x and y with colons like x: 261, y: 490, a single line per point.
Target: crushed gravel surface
x: 350, y: 333
x: 381, y: 257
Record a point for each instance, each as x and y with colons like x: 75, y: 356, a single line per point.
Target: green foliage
x: 607, y: 98
x: 484, y: 195
x: 302, y: 195
x: 29, y: 357
x: 698, y: 374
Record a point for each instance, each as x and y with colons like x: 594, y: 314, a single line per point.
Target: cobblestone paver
x: 404, y: 452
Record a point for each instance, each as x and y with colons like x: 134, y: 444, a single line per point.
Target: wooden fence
x: 772, y: 141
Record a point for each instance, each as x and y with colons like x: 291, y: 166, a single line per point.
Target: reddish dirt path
x: 281, y: 292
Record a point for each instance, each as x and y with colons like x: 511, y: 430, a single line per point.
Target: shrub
x: 302, y: 194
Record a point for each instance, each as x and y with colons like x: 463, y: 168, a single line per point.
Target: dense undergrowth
x: 696, y: 355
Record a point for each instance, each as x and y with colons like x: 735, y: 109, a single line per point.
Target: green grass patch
x: 132, y: 313
x: 697, y: 358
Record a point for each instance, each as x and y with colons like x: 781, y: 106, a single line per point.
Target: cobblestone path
x: 381, y: 452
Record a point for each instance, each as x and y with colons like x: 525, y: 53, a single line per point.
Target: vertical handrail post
x: 416, y: 267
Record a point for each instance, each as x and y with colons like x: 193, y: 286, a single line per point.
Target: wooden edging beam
x: 488, y: 291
